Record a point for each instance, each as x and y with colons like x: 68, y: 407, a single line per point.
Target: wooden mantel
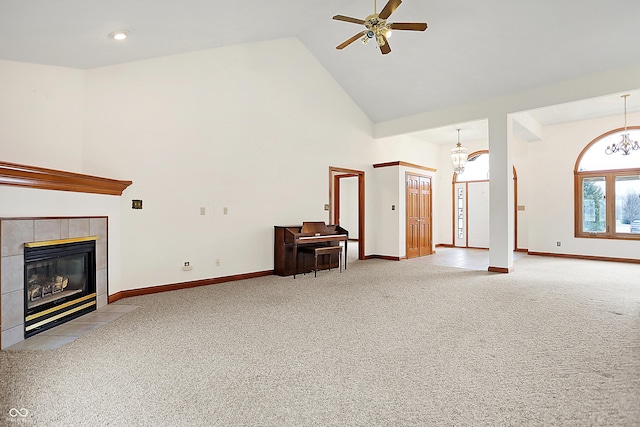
x: 50, y: 179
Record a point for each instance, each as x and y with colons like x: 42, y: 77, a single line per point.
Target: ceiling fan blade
x: 348, y: 19
x: 351, y: 40
x: 411, y: 26
x: 385, y: 48
x: 389, y: 8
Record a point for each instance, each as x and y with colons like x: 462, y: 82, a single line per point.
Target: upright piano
x: 290, y: 260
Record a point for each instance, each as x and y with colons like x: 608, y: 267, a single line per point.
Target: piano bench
x: 324, y: 250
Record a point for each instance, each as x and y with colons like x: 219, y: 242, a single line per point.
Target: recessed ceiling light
x: 119, y: 35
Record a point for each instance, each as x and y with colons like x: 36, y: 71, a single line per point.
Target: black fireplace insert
x: 60, y: 283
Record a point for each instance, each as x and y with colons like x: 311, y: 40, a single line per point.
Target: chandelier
x: 626, y: 145
x: 459, y: 156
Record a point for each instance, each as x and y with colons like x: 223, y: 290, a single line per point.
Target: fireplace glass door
x: 53, y: 279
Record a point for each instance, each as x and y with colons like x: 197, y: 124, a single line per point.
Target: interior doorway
x: 419, y: 226
x: 471, y: 203
x: 340, y: 182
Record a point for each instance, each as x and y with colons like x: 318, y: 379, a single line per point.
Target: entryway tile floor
x: 471, y: 259
x: 68, y: 332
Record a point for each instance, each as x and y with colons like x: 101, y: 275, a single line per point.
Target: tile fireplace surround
x: 14, y: 232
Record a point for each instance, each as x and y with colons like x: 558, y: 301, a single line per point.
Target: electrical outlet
x: 187, y: 266
x: 558, y: 243
x: 225, y: 211
x: 217, y: 263
x: 203, y: 211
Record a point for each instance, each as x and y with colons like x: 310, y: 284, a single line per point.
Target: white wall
x: 391, y: 189
x: 387, y: 194
x: 41, y: 115
x: 41, y: 125
x: 253, y: 128
x: 551, y: 190
x: 349, y: 206
x: 392, y: 224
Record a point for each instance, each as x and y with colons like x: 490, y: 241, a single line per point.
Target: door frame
x: 334, y: 200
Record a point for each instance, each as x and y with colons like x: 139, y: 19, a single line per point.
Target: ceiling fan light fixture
x: 376, y: 26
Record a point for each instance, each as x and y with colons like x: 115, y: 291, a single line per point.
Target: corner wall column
x: 501, y: 233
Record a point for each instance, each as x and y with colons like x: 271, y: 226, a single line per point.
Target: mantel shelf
x: 50, y: 179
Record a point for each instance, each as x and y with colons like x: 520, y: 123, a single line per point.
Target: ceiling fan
x: 378, y: 28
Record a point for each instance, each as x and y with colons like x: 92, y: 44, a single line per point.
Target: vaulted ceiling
x: 472, y: 49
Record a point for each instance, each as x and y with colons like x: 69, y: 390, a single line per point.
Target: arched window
x: 477, y: 168
x: 607, y: 189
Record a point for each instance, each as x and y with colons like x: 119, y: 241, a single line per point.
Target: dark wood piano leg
x: 295, y: 260
x: 345, y: 254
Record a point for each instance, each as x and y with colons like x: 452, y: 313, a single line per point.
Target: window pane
x: 593, y: 205
x: 628, y: 204
x: 594, y: 159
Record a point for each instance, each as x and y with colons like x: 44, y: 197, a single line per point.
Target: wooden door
x: 418, y: 215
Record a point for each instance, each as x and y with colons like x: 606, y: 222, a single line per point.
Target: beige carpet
x: 385, y: 343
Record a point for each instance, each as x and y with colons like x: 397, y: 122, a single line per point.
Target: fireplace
x: 59, y: 282
x: 15, y: 234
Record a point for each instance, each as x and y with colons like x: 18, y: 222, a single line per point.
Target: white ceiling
x: 472, y: 49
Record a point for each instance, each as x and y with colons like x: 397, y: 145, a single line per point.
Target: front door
x: 418, y: 215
